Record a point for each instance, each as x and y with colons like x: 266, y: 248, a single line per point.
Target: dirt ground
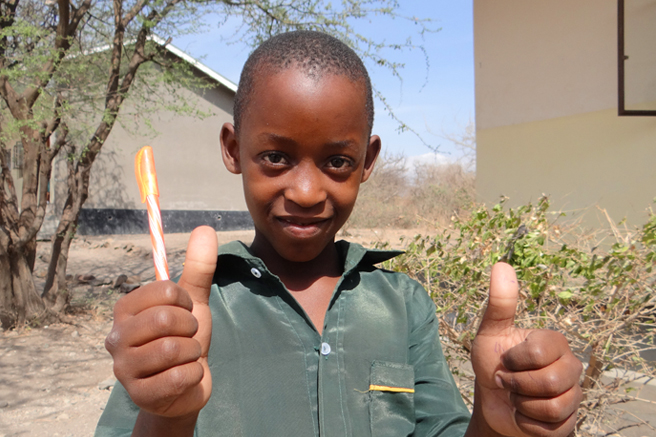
x: 55, y: 380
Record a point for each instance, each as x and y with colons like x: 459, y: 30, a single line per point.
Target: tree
x: 66, y: 67
x: 465, y: 142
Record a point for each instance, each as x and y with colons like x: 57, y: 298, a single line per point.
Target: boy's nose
x: 306, y: 189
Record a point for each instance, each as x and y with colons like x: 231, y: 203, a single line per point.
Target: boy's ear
x: 230, y: 148
x: 373, y: 149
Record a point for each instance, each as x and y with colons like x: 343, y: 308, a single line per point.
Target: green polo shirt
x: 376, y: 370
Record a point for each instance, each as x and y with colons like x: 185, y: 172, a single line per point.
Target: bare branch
x: 66, y: 28
x: 61, y: 140
x: 117, y: 92
x: 56, y: 119
x: 133, y: 12
x: 78, y: 14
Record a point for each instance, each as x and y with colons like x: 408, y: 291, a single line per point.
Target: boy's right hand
x: 161, y: 336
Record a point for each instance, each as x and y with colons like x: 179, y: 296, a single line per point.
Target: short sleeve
x: 119, y: 416
x: 439, y: 408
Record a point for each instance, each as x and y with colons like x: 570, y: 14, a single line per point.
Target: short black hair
x: 315, y: 53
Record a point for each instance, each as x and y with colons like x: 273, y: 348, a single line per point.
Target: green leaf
x: 565, y: 295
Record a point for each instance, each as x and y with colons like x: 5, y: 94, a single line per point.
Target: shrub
x: 601, y: 298
x: 396, y: 196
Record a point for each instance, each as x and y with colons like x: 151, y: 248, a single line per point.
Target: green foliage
x: 602, y: 299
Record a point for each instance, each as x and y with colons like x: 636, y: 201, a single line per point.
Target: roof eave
x: 198, y: 65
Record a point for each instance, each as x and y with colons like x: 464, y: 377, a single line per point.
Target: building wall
x: 195, y: 188
x: 546, y: 106
x: 187, y: 152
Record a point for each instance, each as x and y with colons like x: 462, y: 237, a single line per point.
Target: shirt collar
x: 353, y: 254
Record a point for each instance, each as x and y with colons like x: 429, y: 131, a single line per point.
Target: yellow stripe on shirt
x: 373, y: 387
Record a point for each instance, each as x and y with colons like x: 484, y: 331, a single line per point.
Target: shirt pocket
x: 391, y: 394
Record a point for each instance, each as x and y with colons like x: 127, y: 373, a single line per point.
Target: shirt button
x: 256, y: 272
x: 325, y: 349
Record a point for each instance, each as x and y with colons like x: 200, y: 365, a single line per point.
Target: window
x: 636, y: 57
x: 17, y: 156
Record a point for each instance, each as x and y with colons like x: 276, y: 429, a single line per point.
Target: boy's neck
x: 299, y: 276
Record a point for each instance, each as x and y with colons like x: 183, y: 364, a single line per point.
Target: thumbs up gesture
x: 526, y: 380
x: 160, y: 340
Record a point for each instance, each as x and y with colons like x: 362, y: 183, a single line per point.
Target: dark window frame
x: 621, y: 57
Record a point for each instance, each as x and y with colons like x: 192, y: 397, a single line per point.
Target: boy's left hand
x: 527, y: 381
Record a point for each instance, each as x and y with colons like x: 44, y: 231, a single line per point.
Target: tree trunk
x: 27, y: 303
x: 19, y: 300
x: 7, y: 310
x: 56, y: 293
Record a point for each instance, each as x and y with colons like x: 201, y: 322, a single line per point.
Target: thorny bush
x: 601, y: 298
x: 400, y: 195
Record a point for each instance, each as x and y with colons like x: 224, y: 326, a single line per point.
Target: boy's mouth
x: 302, y: 221
x: 303, y: 224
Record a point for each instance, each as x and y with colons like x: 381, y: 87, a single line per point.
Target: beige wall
x: 580, y: 161
x: 546, y: 107
x: 190, y: 172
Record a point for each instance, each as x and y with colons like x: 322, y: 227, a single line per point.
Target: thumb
x: 200, y: 263
x: 502, y: 303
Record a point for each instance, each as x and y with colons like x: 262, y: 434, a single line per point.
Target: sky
x: 434, y: 101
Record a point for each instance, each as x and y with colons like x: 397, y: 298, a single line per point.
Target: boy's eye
x: 339, y: 162
x: 274, y: 158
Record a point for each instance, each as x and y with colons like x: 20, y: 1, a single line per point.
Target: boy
x: 300, y: 335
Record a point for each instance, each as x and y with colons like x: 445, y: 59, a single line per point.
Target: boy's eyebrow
x: 281, y: 139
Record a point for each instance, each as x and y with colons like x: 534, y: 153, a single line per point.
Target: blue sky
x: 433, y: 102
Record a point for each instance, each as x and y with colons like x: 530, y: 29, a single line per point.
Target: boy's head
x: 301, y: 141
x: 316, y: 54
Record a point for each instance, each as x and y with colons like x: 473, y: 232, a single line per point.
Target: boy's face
x: 303, y: 150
